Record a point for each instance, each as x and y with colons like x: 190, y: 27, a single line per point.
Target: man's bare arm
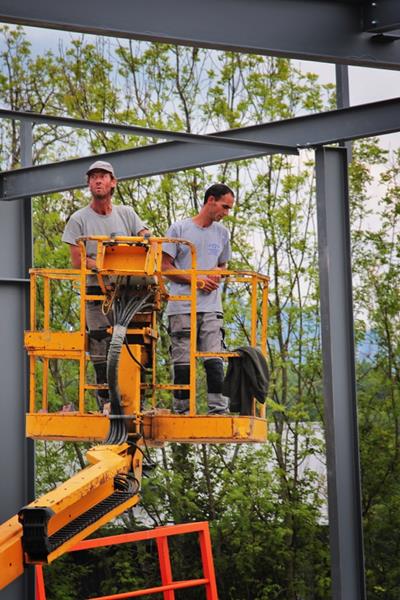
x: 75, y: 253
x: 204, y: 283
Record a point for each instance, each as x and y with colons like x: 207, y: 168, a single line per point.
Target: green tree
x: 265, y: 505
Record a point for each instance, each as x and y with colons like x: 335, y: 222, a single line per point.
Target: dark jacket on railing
x: 247, y: 377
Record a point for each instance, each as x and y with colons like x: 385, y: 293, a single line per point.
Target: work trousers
x: 97, y: 324
x: 210, y: 338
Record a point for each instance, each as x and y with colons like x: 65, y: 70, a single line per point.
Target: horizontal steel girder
x: 261, y: 146
x: 365, y: 120
x: 321, y: 30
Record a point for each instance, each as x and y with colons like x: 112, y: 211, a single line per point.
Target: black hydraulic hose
x: 124, y: 311
x: 114, y: 352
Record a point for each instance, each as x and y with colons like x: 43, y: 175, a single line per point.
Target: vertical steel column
x: 342, y: 86
x: 17, y: 466
x: 337, y: 332
x: 343, y: 97
x: 26, y: 161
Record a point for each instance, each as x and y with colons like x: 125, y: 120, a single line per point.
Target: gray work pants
x: 97, y: 324
x: 210, y: 335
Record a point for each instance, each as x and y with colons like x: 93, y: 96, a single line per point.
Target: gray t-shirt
x: 213, y: 249
x: 84, y: 222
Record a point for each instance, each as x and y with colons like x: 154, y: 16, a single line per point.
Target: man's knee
x: 215, y: 375
x: 98, y: 334
x: 99, y: 341
x: 181, y: 377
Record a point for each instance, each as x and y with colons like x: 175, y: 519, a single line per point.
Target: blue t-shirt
x: 212, y: 249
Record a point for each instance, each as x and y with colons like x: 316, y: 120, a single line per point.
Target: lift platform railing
x: 140, y: 260
x: 161, y: 535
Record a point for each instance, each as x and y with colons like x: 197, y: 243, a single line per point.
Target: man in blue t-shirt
x: 211, y: 240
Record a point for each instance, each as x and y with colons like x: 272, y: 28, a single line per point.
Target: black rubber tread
x: 90, y: 516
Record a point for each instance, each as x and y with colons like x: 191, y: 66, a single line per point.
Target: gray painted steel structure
x: 221, y: 140
x: 26, y: 144
x: 322, y: 30
x: 344, y: 489
x: 343, y: 99
x: 17, y: 464
x: 330, y: 31
x: 337, y: 332
x: 365, y: 120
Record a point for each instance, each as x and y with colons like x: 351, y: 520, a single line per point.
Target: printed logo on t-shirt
x: 213, y: 249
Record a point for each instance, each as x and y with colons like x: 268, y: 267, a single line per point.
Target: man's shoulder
x: 180, y: 225
x: 122, y: 208
x: 182, y: 222
x: 76, y: 225
x: 125, y: 211
x: 81, y: 213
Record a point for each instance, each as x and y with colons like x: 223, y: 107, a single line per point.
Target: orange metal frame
x: 161, y: 535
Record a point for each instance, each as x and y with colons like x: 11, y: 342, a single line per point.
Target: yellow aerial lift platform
x: 140, y: 261
x: 130, y: 278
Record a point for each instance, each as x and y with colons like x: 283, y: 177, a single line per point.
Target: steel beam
x: 28, y: 471
x: 342, y: 86
x: 128, y: 164
x: 137, y: 130
x: 17, y: 464
x: 337, y: 333
x: 343, y: 98
x: 321, y: 30
x: 377, y: 118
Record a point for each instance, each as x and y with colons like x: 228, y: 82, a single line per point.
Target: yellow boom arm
x: 52, y: 524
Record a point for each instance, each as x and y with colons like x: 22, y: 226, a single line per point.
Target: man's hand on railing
x: 91, y: 264
x: 208, y: 284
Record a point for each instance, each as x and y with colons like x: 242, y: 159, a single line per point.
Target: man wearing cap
x: 100, y: 217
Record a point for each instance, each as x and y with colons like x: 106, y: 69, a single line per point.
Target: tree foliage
x: 266, y: 505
